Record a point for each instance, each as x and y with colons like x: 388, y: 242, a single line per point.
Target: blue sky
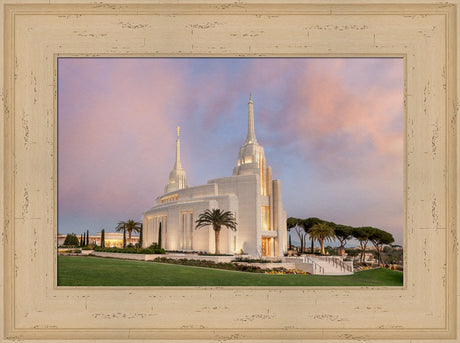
x: 332, y: 130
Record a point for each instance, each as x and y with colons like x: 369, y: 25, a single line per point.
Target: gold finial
x: 250, y: 96
x: 178, y: 129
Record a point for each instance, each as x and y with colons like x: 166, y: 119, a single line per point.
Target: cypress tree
x: 159, y: 236
x: 81, y: 240
x: 84, y: 239
x: 140, y: 236
x: 87, y: 237
x: 290, y: 245
x: 124, y: 239
x: 103, y: 238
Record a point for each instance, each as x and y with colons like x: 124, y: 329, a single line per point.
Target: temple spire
x: 251, y: 138
x: 177, y: 164
x: 177, y: 178
x: 251, y: 159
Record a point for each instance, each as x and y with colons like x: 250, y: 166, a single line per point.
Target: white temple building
x: 250, y: 193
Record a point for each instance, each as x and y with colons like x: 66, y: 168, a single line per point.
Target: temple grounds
x: 95, y: 271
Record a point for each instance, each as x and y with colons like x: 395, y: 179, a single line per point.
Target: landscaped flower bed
x: 211, y: 264
x: 237, y: 266
x: 287, y: 272
x: 69, y: 251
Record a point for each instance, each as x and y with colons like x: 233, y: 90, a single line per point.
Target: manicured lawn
x: 94, y: 271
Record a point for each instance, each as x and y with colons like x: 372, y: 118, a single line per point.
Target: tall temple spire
x: 251, y: 138
x: 251, y: 159
x: 177, y: 178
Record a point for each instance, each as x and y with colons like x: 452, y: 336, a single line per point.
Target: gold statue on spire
x: 178, y: 129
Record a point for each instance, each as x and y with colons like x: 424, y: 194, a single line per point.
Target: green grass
x: 93, y: 271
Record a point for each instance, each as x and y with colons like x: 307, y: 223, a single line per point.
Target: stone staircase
x: 331, y: 265
x: 323, y: 265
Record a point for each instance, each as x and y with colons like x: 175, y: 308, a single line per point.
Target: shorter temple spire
x: 177, y: 177
x: 177, y: 164
x: 251, y: 137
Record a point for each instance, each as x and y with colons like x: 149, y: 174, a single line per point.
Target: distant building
x: 250, y: 194
x: 369, y: 257
x: 112, y: 239
x: 61, y: 239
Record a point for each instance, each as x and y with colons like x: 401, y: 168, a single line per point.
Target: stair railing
x: 336, y: 262
x: 316, y: 266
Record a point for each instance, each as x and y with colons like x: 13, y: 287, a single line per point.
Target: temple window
x: 265, y: 216
x: 169, y: 198
x: 187, y: 229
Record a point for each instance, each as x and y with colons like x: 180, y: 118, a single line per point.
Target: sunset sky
x: 332, y: 130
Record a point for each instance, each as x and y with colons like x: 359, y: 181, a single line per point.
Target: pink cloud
x: 333, y: 127
x: 116, y: 138
x: 341, y: 118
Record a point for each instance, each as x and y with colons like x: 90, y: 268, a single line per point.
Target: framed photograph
x: 321, y: 138
x: 36, y: 36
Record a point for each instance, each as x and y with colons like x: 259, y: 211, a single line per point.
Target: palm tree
x: 322, y: 232
x: 128, y: 226
x: 217, y: 218
x: 307, y: 224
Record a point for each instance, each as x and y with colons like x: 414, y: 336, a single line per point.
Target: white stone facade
x: 250, y: 193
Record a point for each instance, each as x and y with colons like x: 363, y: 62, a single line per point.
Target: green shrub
x: 71, y: 240
x: 131, y: 250
x: 187, y: 252
x: 352, y: 252
x: 254, y: 260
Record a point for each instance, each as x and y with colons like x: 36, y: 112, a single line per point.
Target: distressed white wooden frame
x: 34, y: 34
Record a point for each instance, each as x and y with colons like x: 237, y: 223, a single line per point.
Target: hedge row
x: 211, y: 264
x: 254, y: 260
x: 131, y: 250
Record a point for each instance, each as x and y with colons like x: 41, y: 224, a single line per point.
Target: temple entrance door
x: 265, y: 245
